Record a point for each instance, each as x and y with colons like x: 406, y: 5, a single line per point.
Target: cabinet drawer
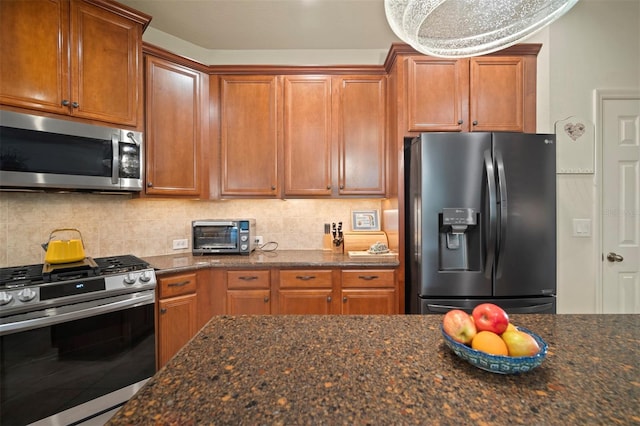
x: 176, y: 285
x: 247, y: 279
x: 305, y: 278
x: 368, y: 278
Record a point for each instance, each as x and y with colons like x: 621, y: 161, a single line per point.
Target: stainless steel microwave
x: 223, y: 236
x: 48, y: 153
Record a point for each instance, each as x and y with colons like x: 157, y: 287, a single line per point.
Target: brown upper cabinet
x: 73, y: 57
x: 249, y: 147
x: 334, y: 135
x: 488, y: 93
x: 176, y: 125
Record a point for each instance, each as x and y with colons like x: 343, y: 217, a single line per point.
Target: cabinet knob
x: 328, y: 299
x: 163, y: 310
x: 475, y: 122
x: 328, y: 186
x: 344, y: 299
x: 75, y: 104
x: 65, y: 102
x: 342, y: 186
x: 273, y: 187
x: 149, y: 185
x: 266, y: 299
x: 460, y: 121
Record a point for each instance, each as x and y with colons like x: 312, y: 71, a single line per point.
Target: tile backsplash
x: 118, y: 224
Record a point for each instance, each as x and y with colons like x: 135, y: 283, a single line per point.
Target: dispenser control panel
x: 458, y: 216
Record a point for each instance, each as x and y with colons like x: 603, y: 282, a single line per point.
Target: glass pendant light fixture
x: 463, y: 28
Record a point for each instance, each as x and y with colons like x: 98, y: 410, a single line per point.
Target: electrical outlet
x: 182, y: 243
x: 258, y: 240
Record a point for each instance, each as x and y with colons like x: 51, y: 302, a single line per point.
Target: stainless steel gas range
x: 76, y: 339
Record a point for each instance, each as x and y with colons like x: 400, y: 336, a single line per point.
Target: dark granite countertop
x: 383, y: 370
x: 266, y: 259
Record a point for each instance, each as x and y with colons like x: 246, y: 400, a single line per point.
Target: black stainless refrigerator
x: 481, y: 222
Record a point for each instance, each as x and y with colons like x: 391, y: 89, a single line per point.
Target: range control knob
x: 5, y: 298
x: 129, y: 279
x: 26, y: 295
x: 145, y: 277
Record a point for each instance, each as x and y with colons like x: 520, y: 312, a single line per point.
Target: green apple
x: 520, y: 343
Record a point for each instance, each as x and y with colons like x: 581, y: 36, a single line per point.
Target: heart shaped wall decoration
x: 574, y: 130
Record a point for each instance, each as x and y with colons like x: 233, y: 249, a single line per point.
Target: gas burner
x: 20, y: 276
x: 120, y: 264
x: 84, y: 268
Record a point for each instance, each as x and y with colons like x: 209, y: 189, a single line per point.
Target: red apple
x: 490, y: 317
x: 520, y: 343
x: 459, y: 326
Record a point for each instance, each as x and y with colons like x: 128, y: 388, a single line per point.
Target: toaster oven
x: 223, y: 236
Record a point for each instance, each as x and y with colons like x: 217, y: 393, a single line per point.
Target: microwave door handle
x: 115, y: 161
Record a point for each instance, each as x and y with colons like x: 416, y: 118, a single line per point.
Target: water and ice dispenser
x: 459, y: 245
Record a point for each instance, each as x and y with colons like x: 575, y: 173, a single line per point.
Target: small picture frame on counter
x: 365, y: 220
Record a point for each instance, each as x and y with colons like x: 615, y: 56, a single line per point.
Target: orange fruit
x: 489, y: 342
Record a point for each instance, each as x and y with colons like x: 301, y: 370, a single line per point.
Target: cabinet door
x: 307, y: 135
x: 249, y: 136
x: 176, y: 325
x: 248, y: 302
x: 173, y: 128
x: 368, y: 301
x: 369, y: 292
x: 34, y: 62
x: 359, y: 126
x: 437, y: 94
x: 497, y: 94
x: 305, y: 301
x: 106, y: 65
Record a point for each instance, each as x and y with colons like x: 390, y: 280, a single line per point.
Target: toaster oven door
x: 216, y: 238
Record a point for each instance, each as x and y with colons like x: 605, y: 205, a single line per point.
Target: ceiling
x: 271, y: 24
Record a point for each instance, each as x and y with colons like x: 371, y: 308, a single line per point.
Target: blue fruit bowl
x: 498, y: 363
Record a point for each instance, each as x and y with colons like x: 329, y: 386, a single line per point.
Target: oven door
x: 67, y: 364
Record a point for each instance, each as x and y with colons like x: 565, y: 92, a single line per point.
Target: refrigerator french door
x: 481, y: 224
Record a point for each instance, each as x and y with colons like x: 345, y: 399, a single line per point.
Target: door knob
x: 613, y: 257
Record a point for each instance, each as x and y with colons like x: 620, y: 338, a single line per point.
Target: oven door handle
x: 52, y: 317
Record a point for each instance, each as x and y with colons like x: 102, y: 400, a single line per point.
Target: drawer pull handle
x: 305, y: 277
x: 368, y: 277
x: 180, y: 284
x: 248, y: 278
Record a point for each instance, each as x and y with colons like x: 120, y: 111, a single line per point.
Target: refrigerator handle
x: 502, y: 230
x: 533, y: 309
x: 417, y: 226
x: 491, y: 232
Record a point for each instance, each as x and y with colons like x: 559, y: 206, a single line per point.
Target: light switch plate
x: 581, y: 227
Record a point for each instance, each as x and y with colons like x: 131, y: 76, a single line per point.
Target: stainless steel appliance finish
x: 48, y: 153
x: 223, y: 236
x: 481, y: 222
x: 74, y: 341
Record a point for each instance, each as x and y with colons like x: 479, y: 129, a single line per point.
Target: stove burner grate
x: 20, y: 276
x: 120, y: 264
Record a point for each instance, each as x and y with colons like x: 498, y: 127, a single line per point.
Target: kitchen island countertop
x: 297, y: 370
x: 266, y: 259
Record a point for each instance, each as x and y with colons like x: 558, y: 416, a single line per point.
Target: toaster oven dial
x: 129, y: 279
x: 5, y: 298
x: 26, y: 295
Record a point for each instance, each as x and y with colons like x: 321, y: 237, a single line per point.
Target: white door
x: 619, y: 120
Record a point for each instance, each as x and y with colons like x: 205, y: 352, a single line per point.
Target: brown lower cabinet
x: 177, y: 314
x: 186, y: 301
